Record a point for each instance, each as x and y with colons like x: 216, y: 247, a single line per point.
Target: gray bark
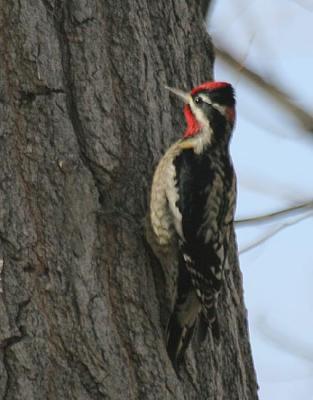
x: 84, y: 119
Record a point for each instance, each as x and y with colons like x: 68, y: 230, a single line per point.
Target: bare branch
x: 270, y: 187
x: 304, y: 117
x: 260, y: 219
x: 305, y: 5
x: 283, y: 342
x: 273, y: 232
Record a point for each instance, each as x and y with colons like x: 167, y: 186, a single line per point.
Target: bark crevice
x: 84, y: 119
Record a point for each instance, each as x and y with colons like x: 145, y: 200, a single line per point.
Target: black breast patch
x: 194, y: 176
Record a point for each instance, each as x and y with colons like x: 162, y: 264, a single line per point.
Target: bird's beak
x: 186, y: 97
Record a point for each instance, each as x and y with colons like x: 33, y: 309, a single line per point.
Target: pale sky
x: 273, y: 159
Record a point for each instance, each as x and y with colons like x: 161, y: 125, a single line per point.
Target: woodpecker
x: 192, y: 205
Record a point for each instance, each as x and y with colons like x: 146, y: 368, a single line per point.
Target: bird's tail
x: 181, y: 326
x: 204, y: 325
x: 210, y: 318
x: 178, y: 339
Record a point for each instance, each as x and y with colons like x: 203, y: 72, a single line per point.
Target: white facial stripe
x: 198, y: 113
x: 221, y: 109
x: 205, y: 98
x: 205, y: 135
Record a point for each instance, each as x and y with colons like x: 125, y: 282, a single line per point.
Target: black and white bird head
x: 209, y: 112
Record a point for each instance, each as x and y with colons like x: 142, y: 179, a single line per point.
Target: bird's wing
x: 199, y: 202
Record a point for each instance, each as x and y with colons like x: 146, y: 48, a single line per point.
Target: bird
x: 191, y: 211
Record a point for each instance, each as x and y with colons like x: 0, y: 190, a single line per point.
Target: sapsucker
x: 192, y: 205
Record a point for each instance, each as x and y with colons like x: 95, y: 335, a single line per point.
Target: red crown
x: 209, y: 86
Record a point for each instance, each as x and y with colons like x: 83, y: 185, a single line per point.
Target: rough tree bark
x: 84, y: 119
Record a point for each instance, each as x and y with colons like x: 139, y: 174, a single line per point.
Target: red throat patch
x: 193, y: 126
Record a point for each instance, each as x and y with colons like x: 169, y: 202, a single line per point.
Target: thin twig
x: 304, y: 6
x: 245, y: 56
x: 266, y: 186
x: 304, y: 117
x: 283, y: 342
x: 272, y: 233
x: 260, y: 219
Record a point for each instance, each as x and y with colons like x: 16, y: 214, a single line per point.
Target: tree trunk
x: 84, y: 119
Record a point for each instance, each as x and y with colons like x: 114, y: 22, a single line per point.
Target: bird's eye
x: 198, y: 100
